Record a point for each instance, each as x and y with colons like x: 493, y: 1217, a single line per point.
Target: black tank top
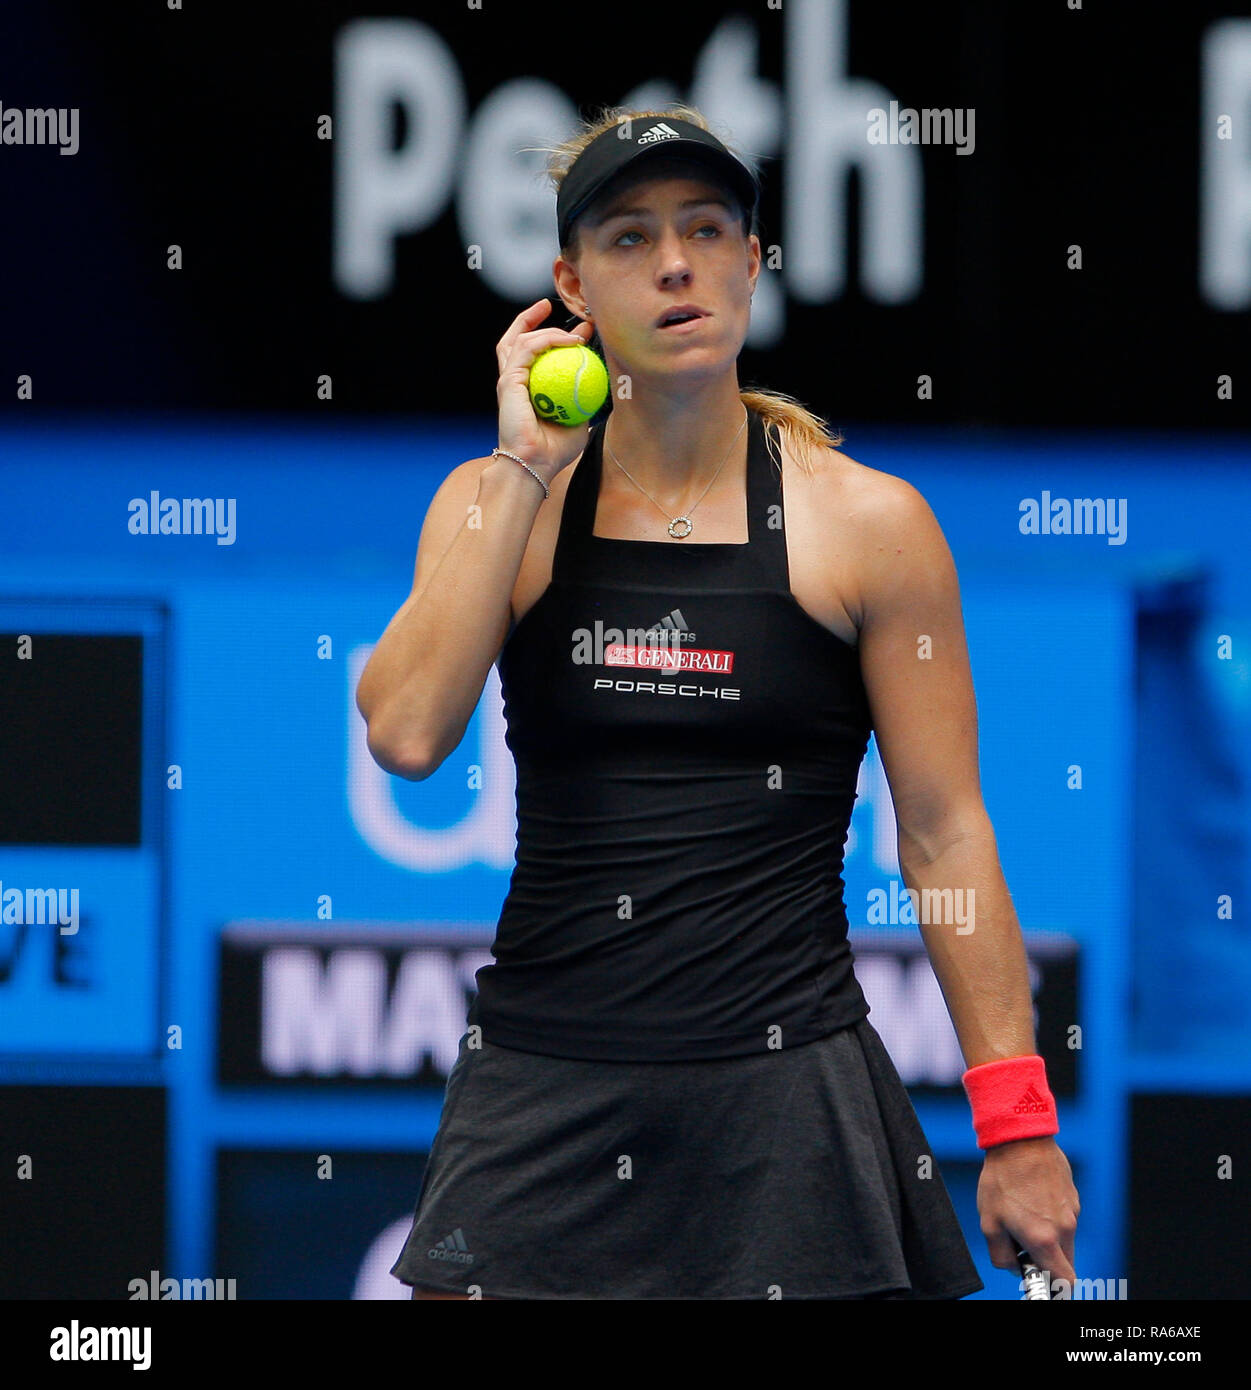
x: 682, y: 801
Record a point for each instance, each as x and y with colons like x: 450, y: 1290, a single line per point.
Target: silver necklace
x: 683, y: 521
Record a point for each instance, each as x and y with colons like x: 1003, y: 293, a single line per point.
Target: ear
x: 568, y: 285
x: 754, y: 260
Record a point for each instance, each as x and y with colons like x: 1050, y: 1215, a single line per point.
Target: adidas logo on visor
x: 661, y: 131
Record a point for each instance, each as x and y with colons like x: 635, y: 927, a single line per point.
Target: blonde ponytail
x: 806, y: 435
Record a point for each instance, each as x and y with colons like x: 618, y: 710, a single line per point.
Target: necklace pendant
x: 685, y: 523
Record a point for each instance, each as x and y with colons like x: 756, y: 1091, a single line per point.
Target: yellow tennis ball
x: 568, y: 385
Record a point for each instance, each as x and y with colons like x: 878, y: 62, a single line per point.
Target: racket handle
x: 1036, y: 1287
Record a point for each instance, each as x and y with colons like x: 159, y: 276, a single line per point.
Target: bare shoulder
x: 869, y: 493
x: 871, y: 535
x: 879, y: 512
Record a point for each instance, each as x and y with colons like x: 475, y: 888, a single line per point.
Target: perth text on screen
x: 813, y: 122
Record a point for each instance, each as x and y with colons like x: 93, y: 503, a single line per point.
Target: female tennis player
x: 700, y: 610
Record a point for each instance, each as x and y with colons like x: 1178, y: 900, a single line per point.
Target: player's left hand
x: 1026, y: 1199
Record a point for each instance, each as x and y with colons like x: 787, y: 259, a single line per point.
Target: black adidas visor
x: 629, y: 141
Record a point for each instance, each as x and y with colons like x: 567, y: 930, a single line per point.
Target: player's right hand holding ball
x: 547, y: 448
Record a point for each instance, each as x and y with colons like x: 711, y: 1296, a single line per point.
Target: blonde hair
x: 806, y: 434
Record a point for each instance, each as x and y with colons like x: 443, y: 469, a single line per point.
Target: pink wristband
x: 1010, y: 1100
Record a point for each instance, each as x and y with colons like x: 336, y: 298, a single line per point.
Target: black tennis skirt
x: 787, y: 1174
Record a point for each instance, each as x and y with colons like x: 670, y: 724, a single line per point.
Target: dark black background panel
x: 1189, y: 1228
x: 285, y: 1232
x: 199, y: 129
x: 91, y: 1217
x: 71, y: 739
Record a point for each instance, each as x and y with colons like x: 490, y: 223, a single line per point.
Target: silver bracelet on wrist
x: 546, y: 490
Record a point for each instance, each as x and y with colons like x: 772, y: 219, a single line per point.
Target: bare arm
x: 916, y: 670
x: 424, y: 677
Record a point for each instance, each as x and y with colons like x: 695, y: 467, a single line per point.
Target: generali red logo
x: 669, y: 658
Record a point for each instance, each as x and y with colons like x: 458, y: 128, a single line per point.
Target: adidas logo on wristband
x: 1031, y: 1103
